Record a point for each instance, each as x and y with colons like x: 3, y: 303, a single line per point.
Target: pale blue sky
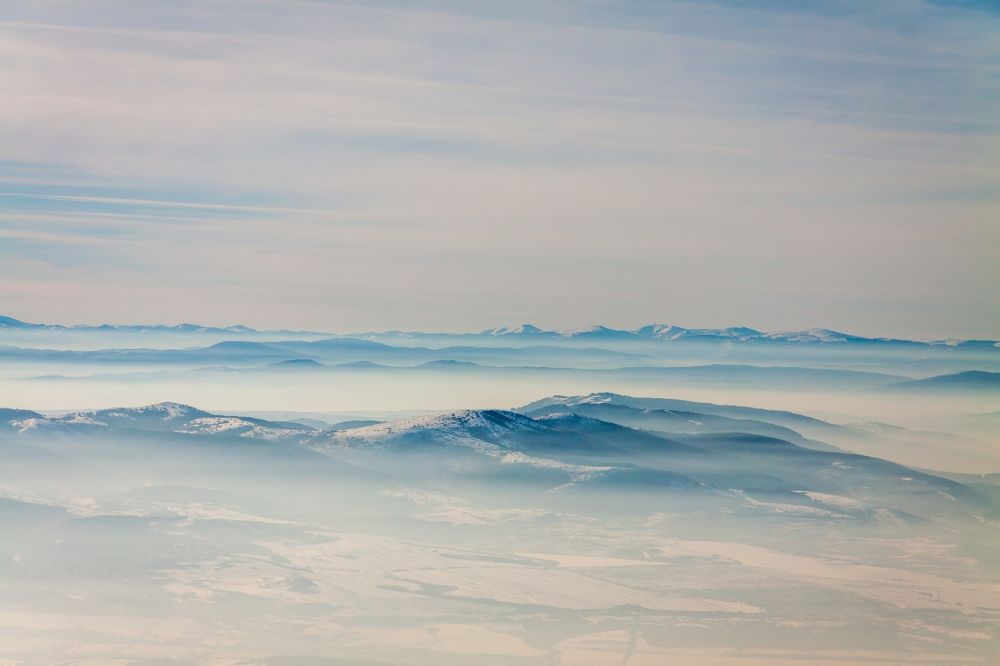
x: 459, y: 165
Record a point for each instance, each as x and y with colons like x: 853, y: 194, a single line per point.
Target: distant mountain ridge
x: 972, y: 380
x: 650, y: 332
x: 672, y: 333
x: 236, y: 329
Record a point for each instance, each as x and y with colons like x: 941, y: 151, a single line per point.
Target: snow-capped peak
x: 661, y: 331
x: 166, y: 410
x: 170, y: 409
x: 459, y: 423
x: 521, y: 329
x: 811, y: 335
x: 596, y: 328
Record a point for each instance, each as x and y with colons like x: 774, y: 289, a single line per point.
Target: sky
x: 351, y: 166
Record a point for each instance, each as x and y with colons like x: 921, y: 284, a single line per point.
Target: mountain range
x: 558, y: 447
x: 529, y: 332
x: 339, y: 355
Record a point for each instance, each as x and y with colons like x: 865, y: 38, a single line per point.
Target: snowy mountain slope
x: 167, y: 417
x: 521, y: 329
x: 598, y: 451
x: 813, y: 427
x: 554, y: 452
x: 677, y: 421
x: 487, y: 424
x: 673, y: 416
x: 674, y: 333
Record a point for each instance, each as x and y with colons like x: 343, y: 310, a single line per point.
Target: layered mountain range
x: 747, y: 459
x: 910, y: 372
x: 564, y: 519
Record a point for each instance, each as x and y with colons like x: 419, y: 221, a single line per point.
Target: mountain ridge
x: 558, y: 452
x: 649, y: 332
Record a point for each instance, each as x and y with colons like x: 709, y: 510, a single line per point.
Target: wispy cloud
x: 449, y: 165
x: 123, y: 201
